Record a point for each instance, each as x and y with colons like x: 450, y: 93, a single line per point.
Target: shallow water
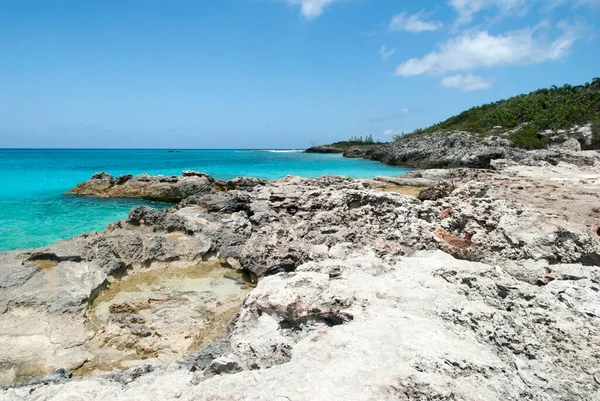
x: 154, y: 316
x: 34, y: 210
x: 161, y: 315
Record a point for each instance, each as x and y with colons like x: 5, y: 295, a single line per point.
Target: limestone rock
x: 424, y: 327
x: 146, y: 187
x: 488, y: 291
x: 438, y: 150
x: 570, y: 144
x: 325, y: 149
x: 462, y: 149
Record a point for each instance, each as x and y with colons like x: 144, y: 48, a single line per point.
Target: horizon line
x: 21, y: 148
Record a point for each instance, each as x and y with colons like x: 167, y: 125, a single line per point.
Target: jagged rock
x: 56, y: 376
x: 245, y: 183
x: 570, y: 144
x: 158, y: 219
x: 462, y: 149
x: 143, y: 186
x: 407, y: 181
x: 325, y: 149
x: 122, y: 179
x: 438, y: 150
x: 502, y: 305
x: 102, y: 176
x: 424, y: 327
x: 435, y: 192
x: 191, y: 173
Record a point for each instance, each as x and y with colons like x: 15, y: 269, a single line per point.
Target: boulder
x: 570, y: 144
x: 162, y: 188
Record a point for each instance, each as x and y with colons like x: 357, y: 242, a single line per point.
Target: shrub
x: 596, y: 129
x: 553, y: 108
x: 528, y: 138
x: 357, y: 141
x: 399, y: 136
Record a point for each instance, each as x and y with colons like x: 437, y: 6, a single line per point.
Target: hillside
x: 341, y: 146
x: 555, y: 108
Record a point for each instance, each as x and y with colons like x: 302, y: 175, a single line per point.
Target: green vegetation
x: 528, y: 138
x: 554, y: 108
x: 596, y: 129
x: 355, y: 141
x: 359, y: 139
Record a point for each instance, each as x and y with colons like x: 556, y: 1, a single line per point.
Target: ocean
x: 35, y: 210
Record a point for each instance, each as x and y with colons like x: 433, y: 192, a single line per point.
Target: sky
x: 273, y: 73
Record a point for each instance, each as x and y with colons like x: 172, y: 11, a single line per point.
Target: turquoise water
x: 35, y: 211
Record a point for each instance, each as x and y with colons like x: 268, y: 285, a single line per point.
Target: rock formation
x: 484, y: 287
x: 462, y: 149
x: 144, y: 186
x: 325, y: 149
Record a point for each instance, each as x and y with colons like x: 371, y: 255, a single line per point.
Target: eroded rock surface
x: 164, y: 188
x: 362, y: 327
x: 485, y: 288
x: 462, y: 149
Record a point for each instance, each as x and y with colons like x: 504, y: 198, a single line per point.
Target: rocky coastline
x: 325, y: 149
x: 479, y: 280
x: 463, y: 149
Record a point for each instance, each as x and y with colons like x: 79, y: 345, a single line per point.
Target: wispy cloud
x: 592, y: 3
x: 391, y: 132
x: 385, y: 53
x: 467, y: 9
x: 575, y: 3
x: 413, y: 23
x: 372, y: 32
x: 392, y: 116
x: 311, y: 9
x: 467, y: 83
x: 476, y: 49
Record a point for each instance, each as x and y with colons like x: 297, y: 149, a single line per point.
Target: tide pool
x: 35, y: 211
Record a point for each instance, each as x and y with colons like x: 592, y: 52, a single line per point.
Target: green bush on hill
x: 528, y: 138
x: 554, y: 108
x: 596, y: 129
x: 356, y: 141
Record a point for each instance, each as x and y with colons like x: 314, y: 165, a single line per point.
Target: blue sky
x: 273, y: 73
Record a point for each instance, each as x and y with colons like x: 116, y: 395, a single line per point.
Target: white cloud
x: 467, y: 9
x: 412, y: 23
x: 311, y: 9
x: 467, y: 83
x: 476, y: 49
x: 575, y: 3
x: 392, y: 116
x: 385, y: 53
x: 391, y: 132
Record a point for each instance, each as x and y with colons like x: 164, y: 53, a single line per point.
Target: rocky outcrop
x: 325, y: 149
x: 424, y: 327
x: 484, y: 288
x: 438, y: 150
x: 162, y: 188
x: 462, y: 149
x: 582, y: 134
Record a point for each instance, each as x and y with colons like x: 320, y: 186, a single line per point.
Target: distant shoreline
x: 276, y: 150
x: 165, y: 149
